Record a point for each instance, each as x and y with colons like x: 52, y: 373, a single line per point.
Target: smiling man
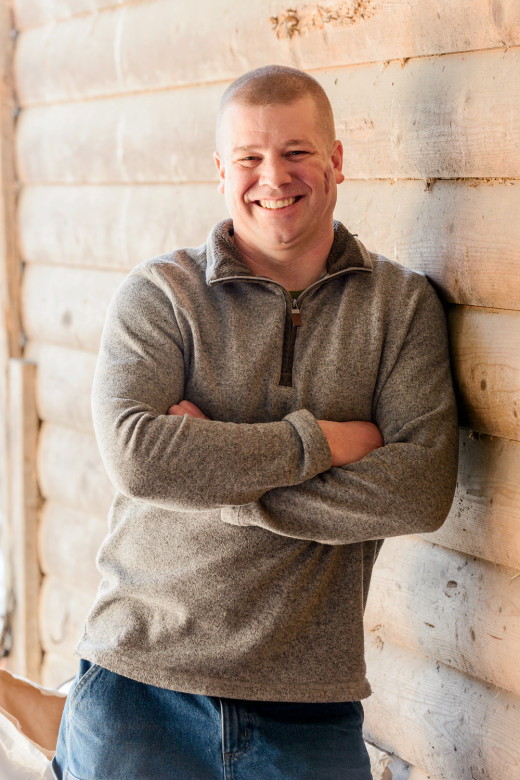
x: 270, y: 406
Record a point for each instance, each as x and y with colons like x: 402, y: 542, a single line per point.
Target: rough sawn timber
x: 448, y: 607
x: 451, y: 725
x: 428, y: 119
x: 103, y: 53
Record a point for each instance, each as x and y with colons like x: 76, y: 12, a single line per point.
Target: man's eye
x: 296, y: 153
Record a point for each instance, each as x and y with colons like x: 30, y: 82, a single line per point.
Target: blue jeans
x: 114, y: 728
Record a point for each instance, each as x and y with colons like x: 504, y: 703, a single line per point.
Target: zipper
x: 293, y: 318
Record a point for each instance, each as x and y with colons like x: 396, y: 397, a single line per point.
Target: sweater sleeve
x: 404, y: 487
x: 182, y: 462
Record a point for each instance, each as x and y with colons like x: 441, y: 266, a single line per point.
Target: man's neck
x: 293, y: 269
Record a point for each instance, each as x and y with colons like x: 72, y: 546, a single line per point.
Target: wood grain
x: 67, y: 306
x: 63, y: 610
x: 447, y: 723
x: 428, y: 119
x: 64, y: 384
x: 71, y: 472
x: 68, y: 542
x: 114, y: 227
x: 448, y: 607
x: 484, y: 520
x: 130, y: 48
x: 486, y: 359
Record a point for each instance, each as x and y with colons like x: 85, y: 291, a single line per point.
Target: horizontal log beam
x: 484, y: 520
x: 486, y: 358
x: 68, y: 542
x: 63, y: 384
x: 63, y: 610
x: 428, y: 119
x: 441, y: 604
x: 447, y: 723
x: 103, y: 53
x: 66, y: 305
x: 71, y: 472
x: 464, y: 236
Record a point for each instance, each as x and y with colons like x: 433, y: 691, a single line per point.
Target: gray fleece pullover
x: 238, y: 560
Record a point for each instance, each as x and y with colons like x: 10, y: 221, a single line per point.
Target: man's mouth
x: 277, y: 204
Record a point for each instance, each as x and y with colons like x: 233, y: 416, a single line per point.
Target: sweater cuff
x: 317, y: 456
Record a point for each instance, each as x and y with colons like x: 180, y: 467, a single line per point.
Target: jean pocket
x: 69, y: 776
x: 87, y: 672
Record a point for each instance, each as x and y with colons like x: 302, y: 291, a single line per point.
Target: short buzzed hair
x: 278, y: 84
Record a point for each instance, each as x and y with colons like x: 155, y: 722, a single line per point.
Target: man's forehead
x: 250, y: 147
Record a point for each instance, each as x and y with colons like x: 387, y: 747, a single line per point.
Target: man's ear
x: 221, y: 171
x: 337, y: 161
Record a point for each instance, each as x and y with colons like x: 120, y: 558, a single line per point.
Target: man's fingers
x: 186, y: 407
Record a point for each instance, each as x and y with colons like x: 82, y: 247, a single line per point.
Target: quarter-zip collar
x: 224, y: 262
x: 347, y: 255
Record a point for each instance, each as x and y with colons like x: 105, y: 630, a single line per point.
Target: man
x: 270, y: 406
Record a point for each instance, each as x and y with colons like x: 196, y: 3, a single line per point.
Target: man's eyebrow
x: 258, y: 147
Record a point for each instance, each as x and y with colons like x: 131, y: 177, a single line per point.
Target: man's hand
x: 186, y: 407
x: 350, y: 441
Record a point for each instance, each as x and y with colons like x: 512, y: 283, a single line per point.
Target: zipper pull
x: 296, y: 315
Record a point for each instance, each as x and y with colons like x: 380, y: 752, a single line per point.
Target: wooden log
x: 64, y: 384
x: 63, y: 610
x: 485, y: 516
x: 486, y: 356
x: 114, y: 227
x: 144, y: 138
x: 464, y: 236
x: 23, y: 428
x: 105, y: 53
x: 59, y: 672
x: 67, y: 305
x: 461, y: 611
x: 68, y: 542
x: 428, y: 119
x: 448, y: 724
x: 29, y: 13
x: 71, y: 472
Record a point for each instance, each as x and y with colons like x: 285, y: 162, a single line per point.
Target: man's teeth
x: 277, y: 204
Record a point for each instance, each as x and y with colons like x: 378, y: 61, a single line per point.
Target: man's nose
x: 274, y: 173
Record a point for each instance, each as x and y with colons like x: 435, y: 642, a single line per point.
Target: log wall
x: 114, y: 149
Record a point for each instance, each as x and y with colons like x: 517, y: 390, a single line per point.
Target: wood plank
x: 448, y: 724
x: 63, y: 610
x: 71, y: 472
x: 103, y: 53
x: 486, y: 356
x: 114, y: 227
x: 67, y: 305
x: 64, y: 384
x: 485, y: 516
x: 466, y: 237
x: 33, y: 12
x: 428, y: 119
x: 26, y: 653
x: 68, y: 542
x: 441, y: 604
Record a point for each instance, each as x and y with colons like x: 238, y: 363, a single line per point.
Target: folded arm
x: 181, y: 461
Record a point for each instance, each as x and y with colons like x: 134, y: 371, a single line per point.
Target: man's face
x: 279, y: 175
